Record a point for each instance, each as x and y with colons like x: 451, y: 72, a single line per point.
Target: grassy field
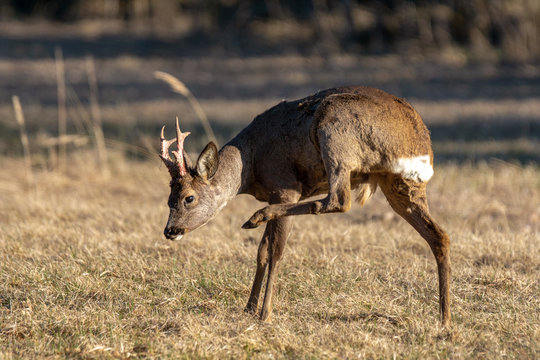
x: 86, y: 273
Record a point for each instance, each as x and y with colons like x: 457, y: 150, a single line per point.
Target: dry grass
x: 85, y: 272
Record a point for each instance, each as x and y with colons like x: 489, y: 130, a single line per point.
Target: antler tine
x: 164, y: 155
x: 180, y: 137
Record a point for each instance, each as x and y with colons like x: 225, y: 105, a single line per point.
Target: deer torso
x: 370, y: 130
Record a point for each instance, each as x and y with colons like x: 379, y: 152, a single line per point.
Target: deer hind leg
x: 337, y: 200
x: 409, y: 200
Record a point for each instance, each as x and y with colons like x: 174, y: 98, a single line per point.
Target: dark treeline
x: 496, y: 29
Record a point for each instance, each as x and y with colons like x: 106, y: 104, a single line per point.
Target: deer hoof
x: 250, y: 308
x: 266, y: 316
x: 257, y: 219
x: 249, y: 225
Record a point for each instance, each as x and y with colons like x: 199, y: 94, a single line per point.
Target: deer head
x: 192, y: 201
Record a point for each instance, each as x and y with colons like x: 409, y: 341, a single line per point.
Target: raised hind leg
x: 338, y: 173
x: 337, y: 200
x: 409, y: 200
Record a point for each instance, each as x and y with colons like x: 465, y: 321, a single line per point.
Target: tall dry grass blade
x: 62, y: 113
x: 125, y: 147
x: 149, y: 146
x: 179, y: 87
x: 77, y: 112
x: 176, y: 85
x: 19, y: 116
x: 80, y: 115
x: 95, y: 111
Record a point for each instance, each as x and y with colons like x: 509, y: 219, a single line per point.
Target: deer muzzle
x: 174, y: 233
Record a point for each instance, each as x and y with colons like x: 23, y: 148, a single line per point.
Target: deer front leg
x: 277, y: 241
x: 276, y: 232
x: 262, y: 260
x: 337, y: 200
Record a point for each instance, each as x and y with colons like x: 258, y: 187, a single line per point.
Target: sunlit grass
x: 85, y: 272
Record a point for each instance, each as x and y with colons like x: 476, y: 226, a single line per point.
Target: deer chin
x: 177, y: 238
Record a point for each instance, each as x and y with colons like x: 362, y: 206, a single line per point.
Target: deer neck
x: 233, y: 174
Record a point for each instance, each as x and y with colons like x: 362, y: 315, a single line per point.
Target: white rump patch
x: 415, y: 168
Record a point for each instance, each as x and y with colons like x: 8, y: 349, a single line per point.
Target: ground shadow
x: 361, y: 316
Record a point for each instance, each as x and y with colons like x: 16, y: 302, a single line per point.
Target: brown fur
x: 332, y: 142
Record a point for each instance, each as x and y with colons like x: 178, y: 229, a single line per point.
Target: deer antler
x: 177, y: 167
x: 179, y: 155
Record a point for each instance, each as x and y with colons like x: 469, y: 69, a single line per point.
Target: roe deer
x: 327, y: 143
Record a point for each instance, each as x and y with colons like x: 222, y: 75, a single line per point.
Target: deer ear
x: 208, y: 161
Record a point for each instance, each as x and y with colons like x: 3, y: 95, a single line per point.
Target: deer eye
x: 189, y: 199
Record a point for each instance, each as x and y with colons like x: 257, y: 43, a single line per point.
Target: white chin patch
x: 178, y: 237
x: 415, y: 168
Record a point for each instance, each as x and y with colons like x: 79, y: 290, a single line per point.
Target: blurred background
x: 83, y: 71
x: 85, y: 272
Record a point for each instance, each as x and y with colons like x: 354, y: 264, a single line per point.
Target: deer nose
x: 172, y: 233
